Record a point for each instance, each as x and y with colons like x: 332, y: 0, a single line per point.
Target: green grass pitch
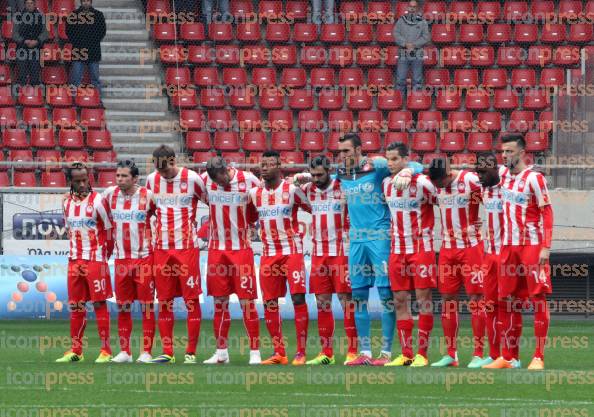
x: 32, y: 385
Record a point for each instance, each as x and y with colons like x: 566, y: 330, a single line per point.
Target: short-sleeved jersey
x: 176, y: 200
x: 277, y: 215
x: 493, y: 204
x: 230, y: 211
x: 459, y: 211
x: 523, y: 196
x: 88, y: 221
x: 329, y: 223
x: 131, y: 217
x: 412, y: 215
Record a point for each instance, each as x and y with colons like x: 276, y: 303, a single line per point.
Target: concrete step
x: 166, y: 125
x: 130, y: 81
x: 126, y: 47
x: 136, y: 116
x: 125, y: 24
x: 123, y: 12
x: 143, y: 146
x: 138, y: 104
x: 121, y: 35
x: 128, y: 69
x: 144, y: 91
x: 134, y: 57
x: 115, y: 3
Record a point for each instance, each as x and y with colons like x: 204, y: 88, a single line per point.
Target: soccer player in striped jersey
x: 329, y: 261
x: 230, y: 257
x: 460, y: 258
x: 412, y: 258
x: 87, y: 219
x: 525, y: 269
x: 177, y: 192
x: 132, y: 207
x: 277, y: 202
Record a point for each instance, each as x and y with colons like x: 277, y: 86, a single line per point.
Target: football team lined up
x: 372, y: 225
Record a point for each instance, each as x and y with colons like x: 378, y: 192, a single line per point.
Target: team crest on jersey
x: 183, y: 186
x: 337, y: 194
x: 461, y: 187
x: 286, y: 196
x: 241, y: 186
x: 412, y: 190
x: 521, y: 184
x: 89, y: 210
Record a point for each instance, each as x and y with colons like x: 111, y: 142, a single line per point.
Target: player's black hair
x: 320, y: 161
x: 131, y: 165
x: 514, y: 137
x: 398, y: 146
x: 215, y: 165
x: 68, y: 173
x: 486, y: 159
x: 163, y: 155
x: 271, y: 154
x: 437, y: 169
x: 353, y: 138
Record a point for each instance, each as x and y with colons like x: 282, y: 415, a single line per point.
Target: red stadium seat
x: 192, y: 32
x: 70, y: 139
x: 385, y: 33
x: 509, y: 56
x: 330, y: 100
x: 283, y: 141
x: 429, y: 57
x: 249, y: 32
x: 461, y: 10
x: 43, y: 138
x: 314, y: 56
x: 293, y: 77
x: 570, y: 9
x: 536, y: 99
x: 271, y: 99
x: 312, y: 141
x: 179, y: 76
x: 164, y: 32
x: 542, y: 11
x: 206, y: 76
x: 429, y: 121
x: 350, y: 77
x: 254, y: 141
x: 434, y: 11
x: 360, y: 33
x: 284, y: 55
x: 521, y: 121
x: 396, y: 137
x: 297, y: 10
x: 536, y: 141
x: 8, y: 116
x: 451, y: 142
x: 489, y: 121
x: 59, y: 96
x: 460, y: 121
x: 539, y: 55
x: 21, y: 155
x: 15, y: 139
x: 566, y: 56
x: 333, y: 138
x: 172, y: 54
x: 370, y: 121
x: 498, y: 33
x: 241, y: 98
x: 226, y: 141
x: 437, y: 77
x: 443, y: 33
x: 212, y: 98
x: 292, y: 157
x: 471, y: 33
x: 278, y: 32
x: 249, y: 120
x: 418, y: 100
x: 106, y: 179
x: 234, y: 76
x: 505, y: 99
x: 280, y: 120
x: 463, y: 158
x: 24, y: 179
x: 191, y: 119
x: 400, y: 120
x: 305, y: 32
x: 227, y: 54
x: 341, y: 121
x: 553, y: 33
x: 202, y: 157
x: 241, y: 8
x: 482, y: 56
x: 423, y: 142
x: 552, y: 77
x: 466, y: 78
x: 480, y: 141
x: 311, y: 120
x: 6, y: 96
x: 7, y: 28
x: 359, y: 100
x: 448, y: 100
x: 515, y: 11
x: 99, y: 139
x: 54, y: 75
x: 220, y: 32
x: 332, y: 33
x: 64, y: 7
x: 351, y: 10
x: 390, y: 100
x: 255, y: 55
x: 580, y: 32
x: 454, y: 56
x: 489, y: 11
x: 263, y: 77
x: 301, y: 99
x: 30, y: 96
x: 525, y: 33
x: 5, y: 75
x: 87, y: 97
x: 219, y: 120
x: 340, y: 56
x: 495, y: 78
x: 53, y: 179
x: 370, y: 141
x: 477, y: 100
x: 200, y: 55
x: 523, y: 77
x: 4, y: 180
x: 322, y: 77
x: 34, y: 116
x: 368, y: 56
x: 270, y: 9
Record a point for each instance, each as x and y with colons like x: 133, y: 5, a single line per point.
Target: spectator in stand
x: 85, y: 29
x: 412, y: 34
x: 316, y: 12
x: 15, y: 5
x: 29, y: 33
x: 223, y: 15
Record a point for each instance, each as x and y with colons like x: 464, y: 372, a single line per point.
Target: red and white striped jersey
x: 229, y: 217
x: 131, y: 217
x: 88, y: 221
x: 459, y: 211
x: 523, y: 196
x: 412, y: 218
x: 329, y: 223
x: 277, y: 215
x: 493, y: 204
x: 176, y: 200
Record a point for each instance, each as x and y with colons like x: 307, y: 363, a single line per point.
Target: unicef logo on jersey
x: 90, y: 223
x: 140, y: 216
x: 286, y: 211
x: 186, y: 200
x: 367, y: 187
x: 336, y: 207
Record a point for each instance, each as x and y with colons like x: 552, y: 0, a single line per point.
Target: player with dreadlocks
x: 87, y: 219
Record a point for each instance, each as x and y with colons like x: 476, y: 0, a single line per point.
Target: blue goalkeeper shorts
x: 368, y: 263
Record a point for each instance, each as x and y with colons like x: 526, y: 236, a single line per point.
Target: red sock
x: 326, y: 329
x: 252, y: 324
x: 221, y: 323
x: 102, y: 317
x: 166, y: 323
x: 301, y: 325
x: 477, y: 320
x: 449, y: 322
x: 405, y: 328
x: 492, y: 330
x: 274, y: 326
x: 193, y: 321
x: 148, y: 328
x: 78, y: 322
x: 505, y: 321
x: 425, y: 327
x: 124, y: 330
x: 349, y: 327
x: 517, y: 333
x: 542, y: 319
